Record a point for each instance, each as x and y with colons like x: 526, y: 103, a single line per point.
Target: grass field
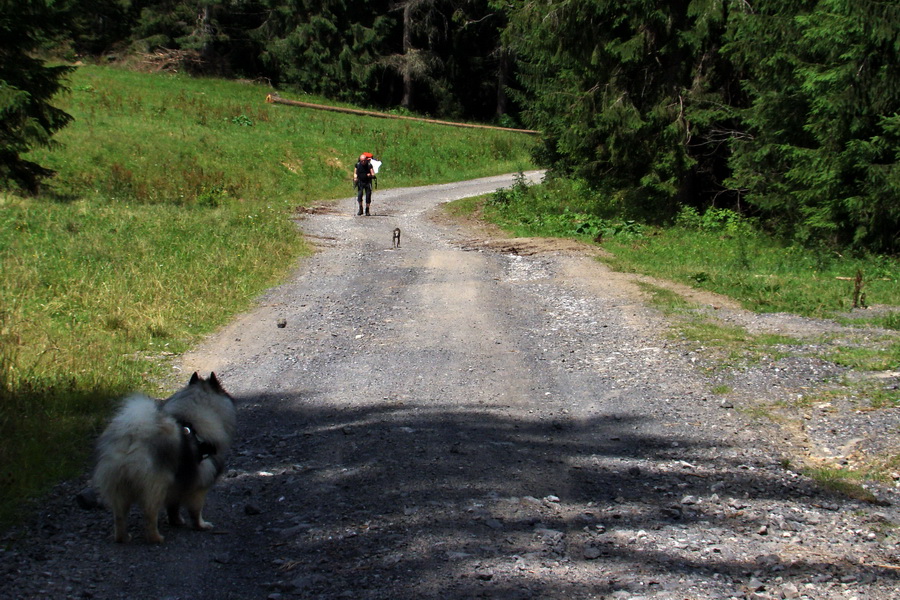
x: 171, y: 212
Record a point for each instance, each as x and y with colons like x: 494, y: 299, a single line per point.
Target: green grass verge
x: 730, y: 346
x: 717, y: 251
x: 762, y: 274
x: 171, y: 212
x: 847, y: 482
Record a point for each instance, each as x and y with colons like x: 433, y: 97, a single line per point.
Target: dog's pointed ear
x: 214, y: 382
x: 194, y: 378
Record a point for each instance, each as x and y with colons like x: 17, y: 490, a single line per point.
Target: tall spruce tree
x: 478, y: 67
x: 325, y: 47
x: 442, y: 62
x: 98, y: 26
x: 27, y: 87
x: 821, y: 150
x: 612, y: 83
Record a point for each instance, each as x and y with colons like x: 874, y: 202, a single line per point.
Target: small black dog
x: 396, y: 240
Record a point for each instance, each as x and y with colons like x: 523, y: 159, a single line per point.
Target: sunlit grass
x: 846, y: 482
x: 759, y: 272
x: 718, y: 251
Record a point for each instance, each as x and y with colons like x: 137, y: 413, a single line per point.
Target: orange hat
x: 368, y: 154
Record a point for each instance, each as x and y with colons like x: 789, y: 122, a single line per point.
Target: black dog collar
x: 204, y: 449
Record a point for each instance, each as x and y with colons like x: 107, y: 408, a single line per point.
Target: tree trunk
x: 206, y: 33
x: 406, y: 101
x: 502, y: 78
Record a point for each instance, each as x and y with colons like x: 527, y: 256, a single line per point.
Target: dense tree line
x: 788, y: 110
x: 437, y: 56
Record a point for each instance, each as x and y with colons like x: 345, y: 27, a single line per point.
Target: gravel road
x: 466, y: 417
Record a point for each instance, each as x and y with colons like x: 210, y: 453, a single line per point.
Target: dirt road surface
x: 466, y: 417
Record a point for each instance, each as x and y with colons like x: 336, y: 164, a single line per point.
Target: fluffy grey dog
x: 165, y: 455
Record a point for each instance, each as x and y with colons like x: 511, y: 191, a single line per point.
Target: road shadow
x: 403, y: 500
x: 406, y: 501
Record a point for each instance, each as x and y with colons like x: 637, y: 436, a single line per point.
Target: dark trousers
x: 364, y: 187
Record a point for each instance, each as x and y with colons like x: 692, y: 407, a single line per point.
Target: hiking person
x: 363, y: 175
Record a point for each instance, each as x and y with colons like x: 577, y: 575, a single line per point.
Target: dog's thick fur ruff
x: 165, y: 455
